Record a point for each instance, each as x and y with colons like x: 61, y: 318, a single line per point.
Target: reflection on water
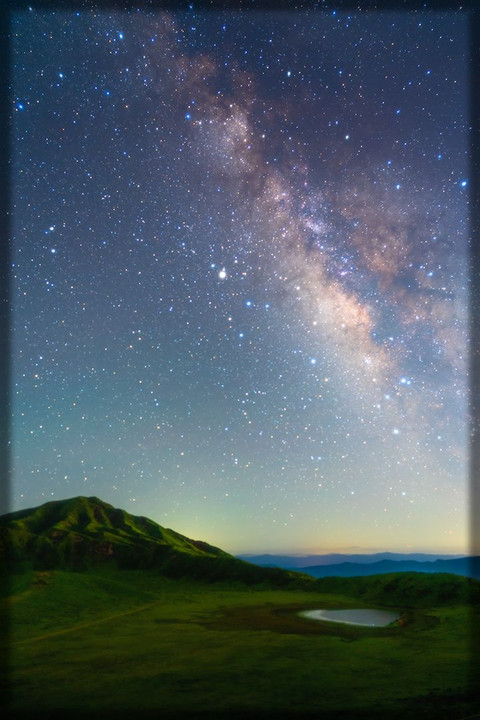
x: 372, y: 618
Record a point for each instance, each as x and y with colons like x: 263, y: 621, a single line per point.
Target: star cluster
x: 240, y: 272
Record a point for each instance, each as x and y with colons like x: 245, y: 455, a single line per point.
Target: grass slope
x: 82, y: 533
x: 116, y: 643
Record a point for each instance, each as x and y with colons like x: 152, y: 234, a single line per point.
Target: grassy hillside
x: 94, y: 519
x: 409, y: 589
x: 83, y: 533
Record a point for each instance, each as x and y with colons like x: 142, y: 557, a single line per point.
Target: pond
x: 371, y: 618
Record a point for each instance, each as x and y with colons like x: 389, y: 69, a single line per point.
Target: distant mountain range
x: 302, y: 561
x: 337, y: 565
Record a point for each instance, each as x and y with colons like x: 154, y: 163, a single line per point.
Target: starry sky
x: 240, y: 273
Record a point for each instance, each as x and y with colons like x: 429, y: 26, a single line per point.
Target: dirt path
x: 80, y: 626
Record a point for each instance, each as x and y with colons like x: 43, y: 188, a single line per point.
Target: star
x: 214, y: 243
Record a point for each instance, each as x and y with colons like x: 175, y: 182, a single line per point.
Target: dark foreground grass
x: 134, y: 643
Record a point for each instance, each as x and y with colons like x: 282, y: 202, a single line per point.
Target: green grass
x: 110, y: 612
x: 132, y: 641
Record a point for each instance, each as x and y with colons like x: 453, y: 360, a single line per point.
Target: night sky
x: 240, y: 273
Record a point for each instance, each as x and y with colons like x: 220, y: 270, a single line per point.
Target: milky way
x: 240, y: 273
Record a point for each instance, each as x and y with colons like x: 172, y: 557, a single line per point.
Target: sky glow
x: 240, y: 273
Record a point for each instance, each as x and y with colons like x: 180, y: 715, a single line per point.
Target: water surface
x: 371, y: 618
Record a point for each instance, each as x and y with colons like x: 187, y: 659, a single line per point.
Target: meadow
x: 133, y: 642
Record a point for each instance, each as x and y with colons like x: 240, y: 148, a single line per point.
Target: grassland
x: 110, y: 614
x: 133, y: 642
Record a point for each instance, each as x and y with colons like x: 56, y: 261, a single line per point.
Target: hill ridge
x: 466, y: 566
x: 85, y: 532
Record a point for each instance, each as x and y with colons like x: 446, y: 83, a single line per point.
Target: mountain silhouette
x: 466, y: 566
x: 302, y: 561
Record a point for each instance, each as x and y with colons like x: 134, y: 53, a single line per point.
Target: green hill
x: 405, y: 589
x: 82, y: 533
